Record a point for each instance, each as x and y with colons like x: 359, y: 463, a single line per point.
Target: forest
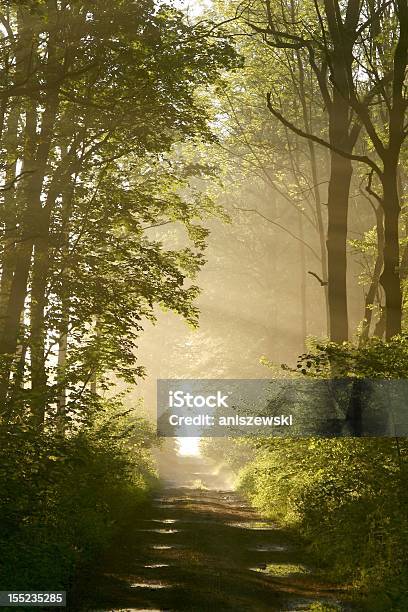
x: 200, y: 189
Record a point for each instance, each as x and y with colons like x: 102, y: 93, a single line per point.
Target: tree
x: 99, y: 94
x: 296, y: 32
x: 268, y: 169
x: 356, y: 72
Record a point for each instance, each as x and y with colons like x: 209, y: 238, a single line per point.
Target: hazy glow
x: 193, y: 7
x: 188, y: 447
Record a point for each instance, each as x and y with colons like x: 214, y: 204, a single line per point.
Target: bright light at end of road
x: 188, y: 447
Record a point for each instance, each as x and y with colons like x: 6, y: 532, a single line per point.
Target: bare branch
x: 360, y: 158
x: 282, y: 227
x: 10, y: 184
x: 321, y: 281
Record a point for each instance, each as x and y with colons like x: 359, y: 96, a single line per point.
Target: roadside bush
x: 62, y: 498
x: 347, y: 497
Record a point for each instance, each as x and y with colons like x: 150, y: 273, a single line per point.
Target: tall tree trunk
x: 62, y: 360
x: 67, y: 197
x: 303, y: 272
x: 373, y: 288
x: 13, y: 204
x: 343, y: 137
x: 31, y: 220
x: 36, y: 154
x: 390, y: 277
x: 315, y: 181
x: 40, y: 270
x: 9, y: 213
x: 14, y: 288
x: 337, y: 204
x: 39, y: 288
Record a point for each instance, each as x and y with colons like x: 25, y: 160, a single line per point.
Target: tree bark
x: 10, y: 212
x: 67, y: 197
x: 303, y: 295
x: 390, y: 277
x: 35, y: 161
x: 373, y: 288
x: 337, y: 203
x: 31, y: 221
x: 342, y: 34
x: 315, y: 181
x: 39, y: 288
x: 40, y: 269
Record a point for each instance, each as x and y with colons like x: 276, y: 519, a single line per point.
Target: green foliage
x: 235, y: 452
x: 63, y: 499
x: 98, y: 99
x: 376, y: 359
x: 120, y: 88
x: 347, y: 497
x: 321, y: 607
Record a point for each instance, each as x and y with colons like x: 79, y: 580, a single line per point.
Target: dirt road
x: 204, y: 550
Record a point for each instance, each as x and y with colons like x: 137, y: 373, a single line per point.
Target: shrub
x: 62, y: 498
x: 347, y: 497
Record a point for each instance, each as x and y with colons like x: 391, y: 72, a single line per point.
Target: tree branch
x: 282, y: 227
x: 321, y: 281
x: 360, y: 158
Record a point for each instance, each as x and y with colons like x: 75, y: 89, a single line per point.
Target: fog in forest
x: 258, y: 307
x: 204, y: 189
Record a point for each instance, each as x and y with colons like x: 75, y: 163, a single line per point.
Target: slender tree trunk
x: 373, y: 288
x: 342, y: 31
x: 322, y: 233
x: 93, y: 385
x: 338, y: 198
x: 303, y: 272
x: 67, y: 197
x: 9, y: 214
x: 62, y: 360
x: 39, y: 287
x: 38, y: 327
x: 315, y: 180
x: 16, y: 392
x: 379, y: 329
x: 390, y: 277
x: 32, y: 194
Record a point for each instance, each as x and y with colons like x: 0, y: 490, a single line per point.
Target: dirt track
x: 204, y: 550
